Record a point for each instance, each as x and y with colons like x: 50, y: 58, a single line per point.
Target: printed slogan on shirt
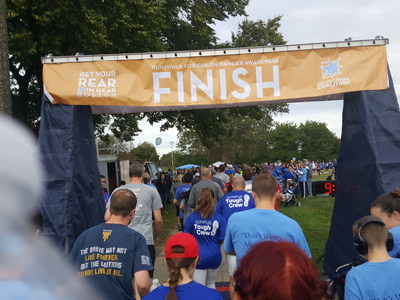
x: 102, y: 260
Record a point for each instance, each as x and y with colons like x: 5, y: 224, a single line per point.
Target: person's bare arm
x: 142, y: 282
x: 158, y: 224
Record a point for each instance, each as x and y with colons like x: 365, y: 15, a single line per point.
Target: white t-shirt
x: 148, y: 200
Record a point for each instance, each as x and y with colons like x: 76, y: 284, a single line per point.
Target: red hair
x: 278, y: 271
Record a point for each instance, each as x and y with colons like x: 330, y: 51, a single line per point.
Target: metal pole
x: 172, y: 154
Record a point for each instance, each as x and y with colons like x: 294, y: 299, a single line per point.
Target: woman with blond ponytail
x: 387, y: 208
x: 181, y: 257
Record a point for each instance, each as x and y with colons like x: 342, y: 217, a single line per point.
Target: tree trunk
x: 5, y: 91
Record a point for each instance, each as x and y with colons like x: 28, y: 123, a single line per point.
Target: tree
x: 143, y: 152
x: 40, y: 27
x: 312, y: 140
x: 5, y: 94
x: 318, y: 142
x: 258, y: 33
x: 285, y: 142
x: 111, y: 145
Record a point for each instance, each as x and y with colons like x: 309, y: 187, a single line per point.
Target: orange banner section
x: 218, y: 80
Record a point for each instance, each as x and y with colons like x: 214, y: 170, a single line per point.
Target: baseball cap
x: 185, y: 240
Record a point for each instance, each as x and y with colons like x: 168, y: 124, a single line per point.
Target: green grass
x: 321, y: 177
x: 314, y: 217
x: 169, y: 223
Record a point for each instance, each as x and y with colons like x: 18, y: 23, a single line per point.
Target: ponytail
x: 174, y: 268
x: 174, y: 276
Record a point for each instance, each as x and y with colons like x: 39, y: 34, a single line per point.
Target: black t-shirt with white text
x: 108, y: 255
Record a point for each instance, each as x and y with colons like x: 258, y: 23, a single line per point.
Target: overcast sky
x: 308, y: 22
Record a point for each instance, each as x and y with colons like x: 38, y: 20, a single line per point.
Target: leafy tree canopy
x: 312, y: 140
x: 40, y: 27
x: 143, y: 152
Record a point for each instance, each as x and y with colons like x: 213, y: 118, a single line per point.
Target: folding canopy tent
x: 188, y: 166
x: 356, y: 71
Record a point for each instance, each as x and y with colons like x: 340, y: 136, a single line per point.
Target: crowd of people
x: 233, y: 211
x: 268, y: 255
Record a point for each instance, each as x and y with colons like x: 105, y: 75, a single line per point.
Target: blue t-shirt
x: 188, y: 291
x: 303, y: 177
x: 152, y: 185
x: 396, y: 238
x: 209, y: 233
x: 289, y: 175
x: 249, y: 227
x: 374, y: 280
x: 233, y: 202
x: 108, y: 256
x: 181, y: 189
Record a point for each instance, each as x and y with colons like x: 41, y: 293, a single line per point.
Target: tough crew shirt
x: 395, y: 252
x: 233, y: 202
x: 249, y: 227
x: 109, y: 255
x: 148, y: 199
x: 374, y: 280
x: 188, y: 291
x: 209, y: 233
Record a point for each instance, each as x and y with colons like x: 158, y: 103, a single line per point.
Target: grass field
x: 169, y: 223
x: 314, y: 216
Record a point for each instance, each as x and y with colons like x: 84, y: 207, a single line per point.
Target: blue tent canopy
x: 188, y: 166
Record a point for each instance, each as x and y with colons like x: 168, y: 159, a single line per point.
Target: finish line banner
x: 212, y: 81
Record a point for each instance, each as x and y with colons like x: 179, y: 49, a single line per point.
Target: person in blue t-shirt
x: 185, y: 187
x: 209, y: 230
x: 106, y: 194
x: 110, y: 255
x: 387, y: 208
x: 378, y: 278
x: 302, y: 173
x: 290, y: 174
x: 233, y: 202
x: 262, y: 223
x: 237, y: 200
x: 181, y: 257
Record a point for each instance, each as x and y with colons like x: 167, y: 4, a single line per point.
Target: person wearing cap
x: 181, y: 257
x: 208, y: 227
x: 113, y: 257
